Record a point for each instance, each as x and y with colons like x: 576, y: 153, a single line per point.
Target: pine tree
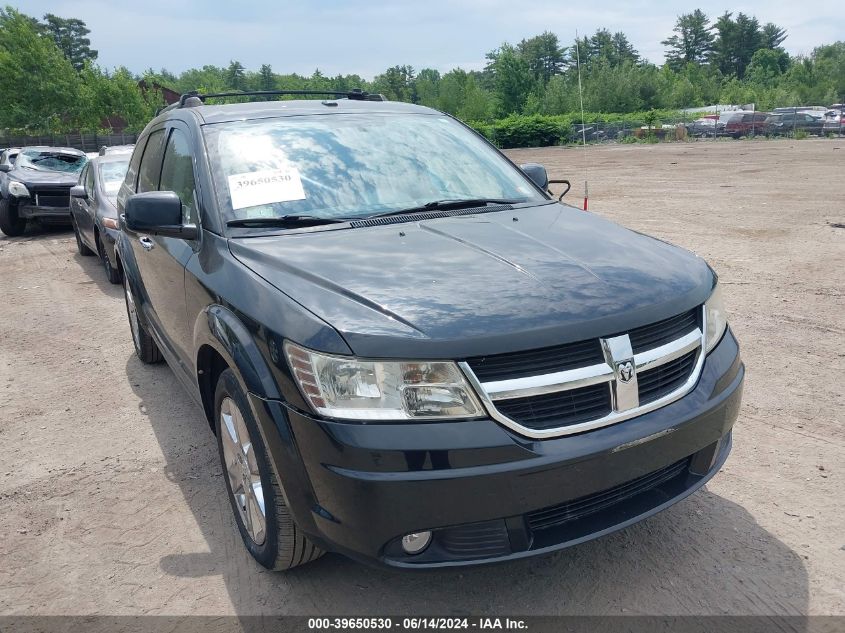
x: 692, y: 42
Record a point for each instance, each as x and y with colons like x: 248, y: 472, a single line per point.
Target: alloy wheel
x: 242, y: 470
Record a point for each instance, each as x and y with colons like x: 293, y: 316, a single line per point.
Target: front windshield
x: 46, y: 160
x: 112, y: 174
x: 350, y: 165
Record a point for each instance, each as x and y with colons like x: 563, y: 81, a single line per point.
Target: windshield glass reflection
x: 352, y: 165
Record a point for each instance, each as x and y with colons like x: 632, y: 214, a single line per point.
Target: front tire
x: 10, y: 222
x: 266, y: 527
x: 145, y: 347
x: 112, y: 273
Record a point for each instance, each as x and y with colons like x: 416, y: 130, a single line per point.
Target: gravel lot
x: 112, y: 500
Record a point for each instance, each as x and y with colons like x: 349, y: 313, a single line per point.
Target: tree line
x: 51, y: 82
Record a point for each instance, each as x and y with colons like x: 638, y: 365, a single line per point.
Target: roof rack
x: 193, y: 99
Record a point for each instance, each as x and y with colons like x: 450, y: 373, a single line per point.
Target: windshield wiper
x: 284, y: 221
x: 442, y: 205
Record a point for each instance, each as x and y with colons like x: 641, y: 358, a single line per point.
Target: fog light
x: 416, y: 542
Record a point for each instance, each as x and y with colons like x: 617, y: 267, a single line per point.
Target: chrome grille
x: 636, y: 372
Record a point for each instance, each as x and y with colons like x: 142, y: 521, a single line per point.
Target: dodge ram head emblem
x: 625, y: 370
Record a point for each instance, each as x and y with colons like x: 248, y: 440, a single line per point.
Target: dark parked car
x: 791, y: 122
x: 38, y: 186
x: 705, y: 126
x: 93, y: 209
x: 746, y: 124
x: 410, y: 353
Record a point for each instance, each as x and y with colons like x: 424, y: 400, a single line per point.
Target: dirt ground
x: 112, y: 500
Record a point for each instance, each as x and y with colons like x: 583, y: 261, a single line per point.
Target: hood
x: 38, y: 177
x: 491, y: 283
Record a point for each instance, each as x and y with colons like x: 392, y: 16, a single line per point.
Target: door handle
x: 146, y: 243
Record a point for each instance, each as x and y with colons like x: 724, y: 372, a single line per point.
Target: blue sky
x: 367, y: 37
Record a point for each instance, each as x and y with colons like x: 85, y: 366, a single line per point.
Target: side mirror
x: 158, y: 213
x: 5, y: 168
x: 78, y: 191
x: 537, y: 174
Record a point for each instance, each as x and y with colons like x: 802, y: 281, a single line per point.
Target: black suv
x: 410, y: 352
x: 37, y: 186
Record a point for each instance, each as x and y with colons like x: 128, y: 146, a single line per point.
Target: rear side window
x: 177, y: 174
x: 150, y: 169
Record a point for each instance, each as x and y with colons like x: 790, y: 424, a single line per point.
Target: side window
x: 150, y: 169
x: 132, y: 171
x: 177, y: 174
x: 89, y: 180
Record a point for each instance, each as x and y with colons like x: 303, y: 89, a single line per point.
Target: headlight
x: 18, y: 189
x: 715, y: 318
x: 355, y: 389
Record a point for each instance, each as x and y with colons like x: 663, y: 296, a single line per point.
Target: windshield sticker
x: 265, y: 187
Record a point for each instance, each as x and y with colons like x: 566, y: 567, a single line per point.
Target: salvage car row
x: 410, y: 352
x: 780, y: 122
x: 43, y: 183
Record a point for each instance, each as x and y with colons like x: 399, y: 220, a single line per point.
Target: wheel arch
x: 223, y: 341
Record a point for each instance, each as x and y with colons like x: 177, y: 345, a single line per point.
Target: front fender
x: 221, y: 328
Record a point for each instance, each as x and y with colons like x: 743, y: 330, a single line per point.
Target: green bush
x: 540, y: 130
x: 534, y: 130
x: 800, y: 135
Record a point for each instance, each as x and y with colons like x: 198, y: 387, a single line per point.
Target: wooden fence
x: 85, y: 142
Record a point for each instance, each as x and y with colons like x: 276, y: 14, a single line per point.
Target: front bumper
x: 487, y: 493
x: 28, y: 209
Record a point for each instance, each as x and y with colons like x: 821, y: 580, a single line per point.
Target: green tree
x: 736, y: 43
x: 39, y: 85
x: 427, y: 86
x: 512, y: 80
x: 452, y: 89
x: 773, y: 36
x: 235, y: 77
x: 477, y: 102
x: 767, y: 66
x: 397, y: 83
x: 692, y: 42
x: 561, y: 95
x: 114, y: 96
x: 266, y: 79
x: 69, y: 34
x: 544, y: 55
x: 611, y: 49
